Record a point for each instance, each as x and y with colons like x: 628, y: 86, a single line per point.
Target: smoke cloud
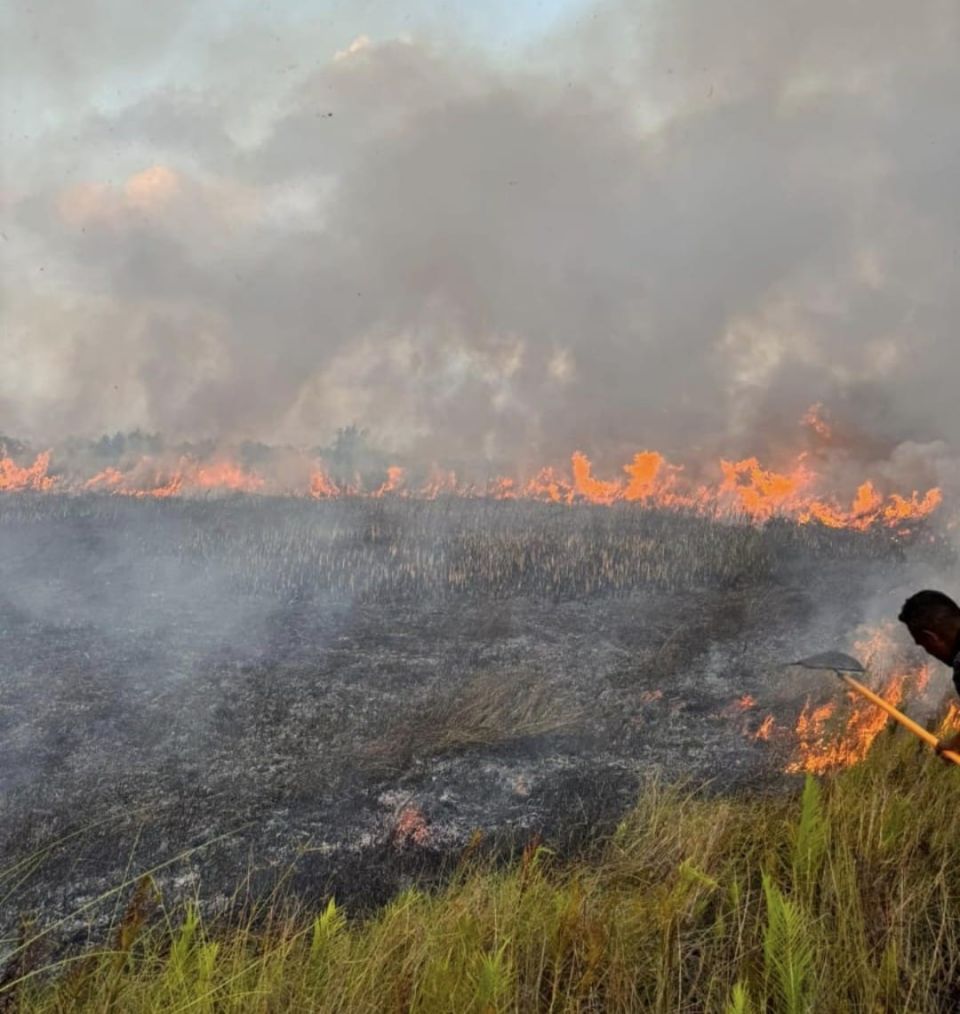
x: 674, y: 225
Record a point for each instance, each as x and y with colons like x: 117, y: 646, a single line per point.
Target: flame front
x: 744, y: 489
x: 148, y: 479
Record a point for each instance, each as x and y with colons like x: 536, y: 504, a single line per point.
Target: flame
x: 828, y: 737
x: 762, y: 494
x: 189, y: 476
x: 394, y: 481
x: 443, y: 482
x: 222, y: 475
x: 590, y: 488
x: 818, y: 751
x: 951, y: 720
x: 766, y: 729
x: 548, y: 485
x: 322, y: 486
x: 110, y: 478
x: 16, y: 479
x: 744, y: 489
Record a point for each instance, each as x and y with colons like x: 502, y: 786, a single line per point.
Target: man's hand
x: 953, y: 744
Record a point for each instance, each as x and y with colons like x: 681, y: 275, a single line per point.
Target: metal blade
x: 837, y: 661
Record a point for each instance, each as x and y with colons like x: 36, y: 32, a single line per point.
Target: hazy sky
x: 489, y: 230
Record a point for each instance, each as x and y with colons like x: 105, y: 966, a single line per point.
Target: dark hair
x: 928, y: 610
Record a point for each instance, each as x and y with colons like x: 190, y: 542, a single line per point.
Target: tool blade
x: 835, y: 660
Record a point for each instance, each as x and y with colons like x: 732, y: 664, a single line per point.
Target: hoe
x: 842, y: 666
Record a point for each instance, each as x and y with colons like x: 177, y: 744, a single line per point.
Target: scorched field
x: 341, y: 694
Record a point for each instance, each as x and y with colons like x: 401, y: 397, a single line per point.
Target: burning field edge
x: 336, y: 697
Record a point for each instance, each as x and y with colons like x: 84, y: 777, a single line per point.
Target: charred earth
x: 340, y: 694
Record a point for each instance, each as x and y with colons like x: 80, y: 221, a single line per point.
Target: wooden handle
x: 898, y: 716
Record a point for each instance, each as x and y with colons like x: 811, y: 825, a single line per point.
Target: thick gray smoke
x: 673, y: 225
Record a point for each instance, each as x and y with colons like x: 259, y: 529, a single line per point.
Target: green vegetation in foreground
x: 844, y: 896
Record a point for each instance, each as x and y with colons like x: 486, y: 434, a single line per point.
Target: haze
x: 486, y: 232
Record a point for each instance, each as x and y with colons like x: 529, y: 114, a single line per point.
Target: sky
x: 489, y: 231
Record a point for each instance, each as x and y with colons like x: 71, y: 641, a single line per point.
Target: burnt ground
x: 203, y: 677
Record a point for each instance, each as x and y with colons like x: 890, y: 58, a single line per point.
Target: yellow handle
x: 899, y: 716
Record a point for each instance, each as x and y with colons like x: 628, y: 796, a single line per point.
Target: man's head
x: 933, y: 620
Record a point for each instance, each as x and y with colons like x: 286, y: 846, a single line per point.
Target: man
x: 933, y: 620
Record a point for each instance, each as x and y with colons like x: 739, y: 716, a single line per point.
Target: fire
x: 818, y: 751
x: 829, y: 737
x: 321, y: 486
x: 590, y: 488
x: 16, y: 479
x: 650, y: 476
x: 743, y: 489
x: 110, y: 478
x: 222, y: 475
x: 951, y: 720
x: 443, y: 482
x: 762, y: 494
x: 394, y: 481
x: 869, y: 508
x: 766, y: 729
x: 188, y: 476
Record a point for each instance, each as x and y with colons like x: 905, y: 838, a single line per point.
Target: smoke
x: 673, y: 226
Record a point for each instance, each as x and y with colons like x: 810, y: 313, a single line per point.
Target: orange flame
x: 189, y: 476
x: 590, y: 488
x: 828, y: 738
x: 394, y: 481
x: 745, y: 488
x: 322, y: 486
x: 819, y: 752
x: 17, y: 479
x: 951, y: 720
x: 766, y: 729
x: 762, y: 494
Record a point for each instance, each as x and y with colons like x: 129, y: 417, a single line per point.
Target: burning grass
x: 735, y: 488
x: 842, y: 897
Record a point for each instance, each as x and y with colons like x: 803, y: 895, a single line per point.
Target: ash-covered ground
x: 340, y: 694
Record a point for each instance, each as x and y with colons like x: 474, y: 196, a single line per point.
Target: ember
x: 411, y: 828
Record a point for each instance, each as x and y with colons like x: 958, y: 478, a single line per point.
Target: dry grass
x: 490, y: 708
x: 841, y: 897
x: 414, y: 550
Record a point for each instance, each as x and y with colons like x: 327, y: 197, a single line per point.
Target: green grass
x: 843, y: 896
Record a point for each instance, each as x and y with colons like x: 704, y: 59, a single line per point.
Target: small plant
x: 789, y: 953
